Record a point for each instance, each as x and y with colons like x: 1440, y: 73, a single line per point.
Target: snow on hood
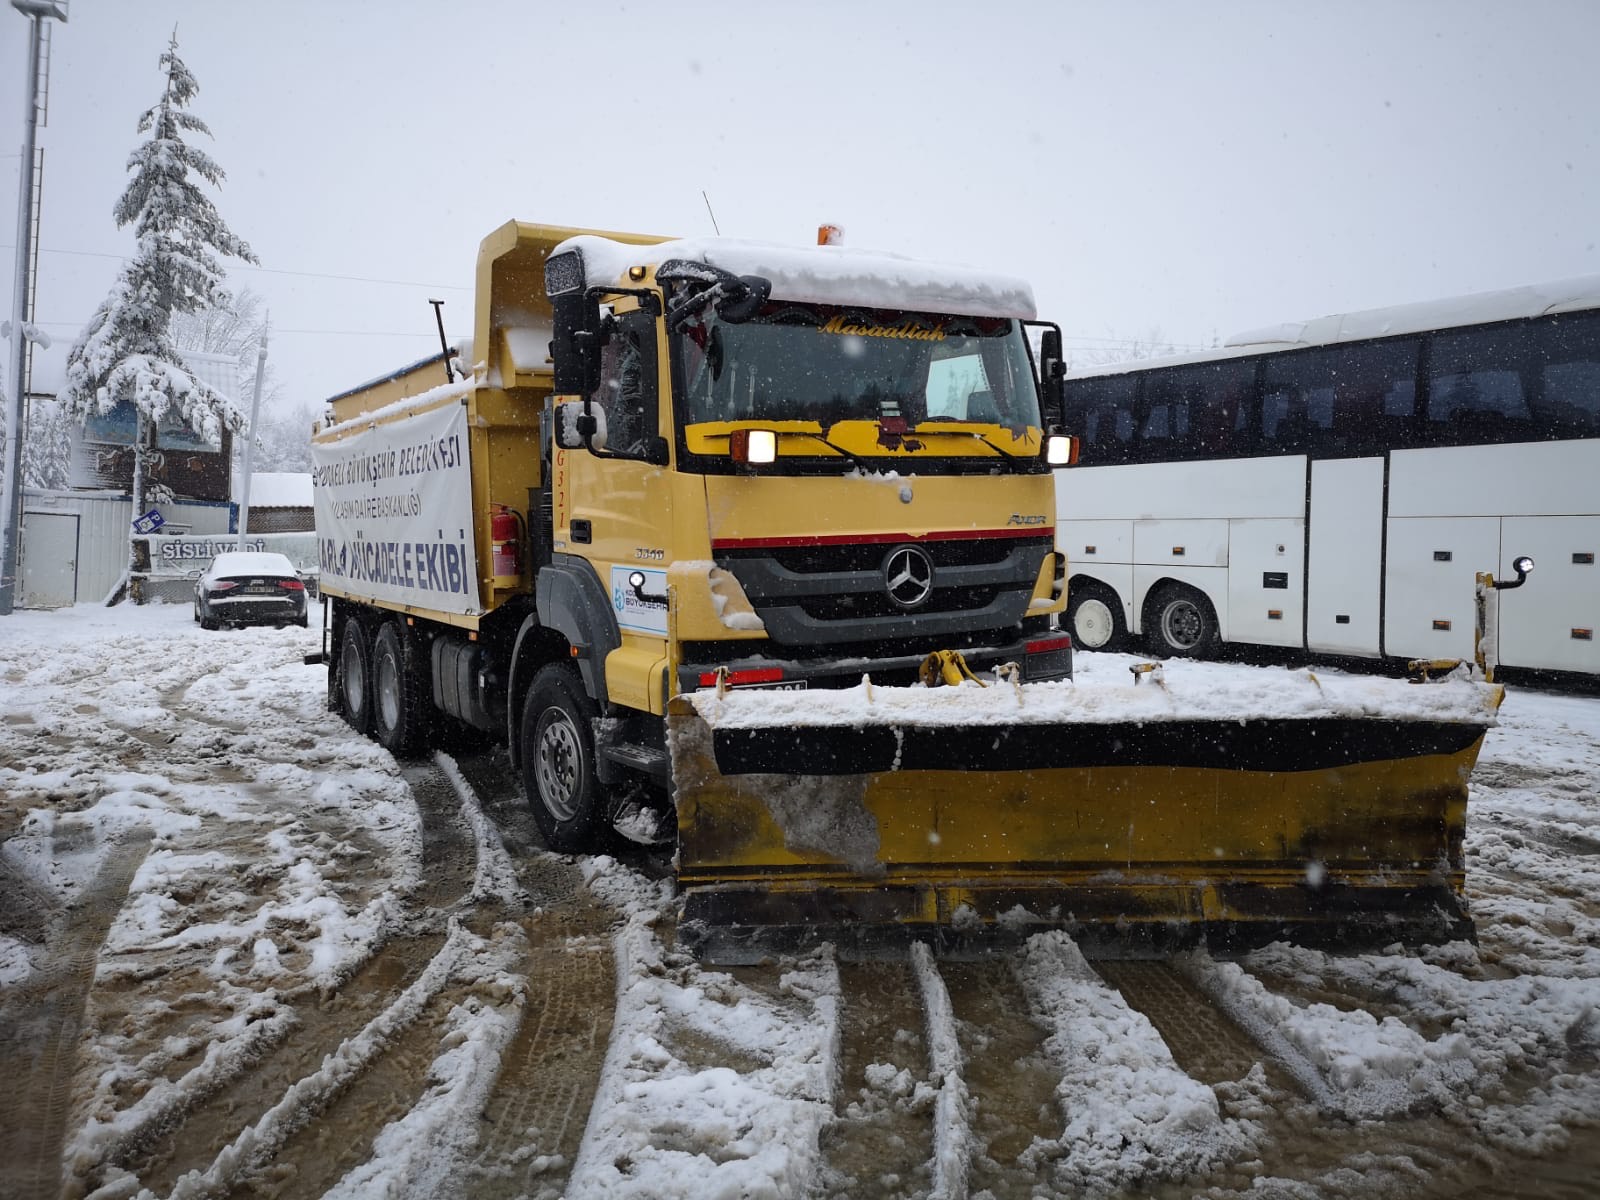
x: 823, y: 274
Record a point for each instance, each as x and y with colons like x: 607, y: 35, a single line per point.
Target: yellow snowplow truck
x: 690, y: 523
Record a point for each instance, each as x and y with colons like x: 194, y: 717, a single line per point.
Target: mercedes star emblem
x: 908, y: 576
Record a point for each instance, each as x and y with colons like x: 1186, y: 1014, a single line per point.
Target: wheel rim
x: 355, y: 680
x: 558, y: 763
x: 1092, y: 625
x: 1181, y: 624
x: 388, y: 691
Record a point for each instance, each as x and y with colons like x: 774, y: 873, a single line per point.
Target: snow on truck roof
x: 1478, y: 308
x: 823, y: 274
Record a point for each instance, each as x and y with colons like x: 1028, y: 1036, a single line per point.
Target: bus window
x: 1567, y: 394
x: 1476, y: 390
x: 1345, y: 400
x: 1100, y: 412
x: 1197, y: 412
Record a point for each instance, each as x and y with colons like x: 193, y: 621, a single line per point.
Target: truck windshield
x: 795, y: 362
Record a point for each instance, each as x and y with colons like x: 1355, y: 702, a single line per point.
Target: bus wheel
x: 399, y: 706
x: 355, y: 677
x: 1181, y: 624
x: 1094, y: 617
x: 557, y: 744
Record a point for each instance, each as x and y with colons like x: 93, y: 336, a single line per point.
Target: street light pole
x: 250, y: 439
x: 37, y: 12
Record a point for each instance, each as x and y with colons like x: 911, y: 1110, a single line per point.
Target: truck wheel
x: 1094, y: 617
x: 557, y: 743
x: 355, y: 677
x: 399, y: 707
x: 1181, y: 624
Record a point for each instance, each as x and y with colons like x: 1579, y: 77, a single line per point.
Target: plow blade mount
x: 967, y: 817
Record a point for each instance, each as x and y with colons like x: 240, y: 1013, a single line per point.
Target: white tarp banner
x: 394, y: 512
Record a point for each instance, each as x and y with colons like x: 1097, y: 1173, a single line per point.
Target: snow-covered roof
x: 280, y: 489
x: 1479, y: 308
x: 823, y: 274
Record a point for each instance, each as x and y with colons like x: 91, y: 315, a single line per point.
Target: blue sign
x: 149, y: 523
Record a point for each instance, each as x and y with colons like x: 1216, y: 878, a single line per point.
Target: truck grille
x: 838, y: 591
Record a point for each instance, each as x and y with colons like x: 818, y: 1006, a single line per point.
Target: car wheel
x: 209, y: 622
x: 1094, y: 617
x: 305, y: 621
x: 399, y: 707
x: 557, y: 743
x: 355, y: 677
x: 1180, y: 624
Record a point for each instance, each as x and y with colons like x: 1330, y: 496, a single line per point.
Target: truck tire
x: 1094, y: 617
x: 355, y: 677
x: 1180, y: 624
x: 399, y: 700
x: 557, y: 745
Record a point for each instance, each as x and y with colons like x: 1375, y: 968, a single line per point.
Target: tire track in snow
x: 880, y: 1142
x: 1131, y: 1116
x: 304, y: 1101
x: 710, y: 1086
x: 205, y: 1114
x: 534, y: 1119
x: 1204, y: 1042
x: 43, y: 1019
x: 1010, y: 1078
x: 197, y: 1116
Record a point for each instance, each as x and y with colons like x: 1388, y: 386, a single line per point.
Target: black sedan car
x: 244, y: 587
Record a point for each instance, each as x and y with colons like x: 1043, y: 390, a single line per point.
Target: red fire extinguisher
x: 504, y: 533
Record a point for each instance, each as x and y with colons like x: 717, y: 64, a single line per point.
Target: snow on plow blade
x: 1330, y: 809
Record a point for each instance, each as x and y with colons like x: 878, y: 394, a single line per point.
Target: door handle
x: 581, y: 530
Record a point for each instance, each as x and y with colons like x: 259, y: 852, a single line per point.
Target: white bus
x: 1334, y: 486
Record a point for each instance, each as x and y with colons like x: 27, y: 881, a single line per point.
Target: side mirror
x: 742, y: 304
x: 1052, y: 376
x: 576, y: 316
x: 574, y: 427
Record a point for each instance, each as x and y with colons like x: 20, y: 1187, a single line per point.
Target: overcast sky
x: 1193, y: 169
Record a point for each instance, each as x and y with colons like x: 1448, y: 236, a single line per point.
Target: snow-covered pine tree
x: 47, y: 449
x: 126, y: 353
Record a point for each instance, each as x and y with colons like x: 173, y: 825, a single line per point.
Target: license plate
x: 781, y: 685
x: 261, y: 591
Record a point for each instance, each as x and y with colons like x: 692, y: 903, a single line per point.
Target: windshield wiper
x: 971, y: 433
x: 860, y: 462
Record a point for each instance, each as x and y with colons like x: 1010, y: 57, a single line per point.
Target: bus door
x: 1345, y: 566
x: 1343, y: 407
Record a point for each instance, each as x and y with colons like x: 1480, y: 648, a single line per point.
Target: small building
x: 280, y: 502
x: 74, y: 543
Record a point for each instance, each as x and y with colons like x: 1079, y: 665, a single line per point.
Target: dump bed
x: 413, y: 467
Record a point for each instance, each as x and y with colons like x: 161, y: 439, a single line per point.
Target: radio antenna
x: 713, y: 215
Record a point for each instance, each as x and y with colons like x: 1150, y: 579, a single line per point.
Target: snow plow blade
x: 968, y: 818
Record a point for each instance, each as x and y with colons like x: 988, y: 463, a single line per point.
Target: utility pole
x: 37, y: 12
x: 250, y: 438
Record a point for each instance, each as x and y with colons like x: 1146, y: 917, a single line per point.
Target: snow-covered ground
x: 223, y: 916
